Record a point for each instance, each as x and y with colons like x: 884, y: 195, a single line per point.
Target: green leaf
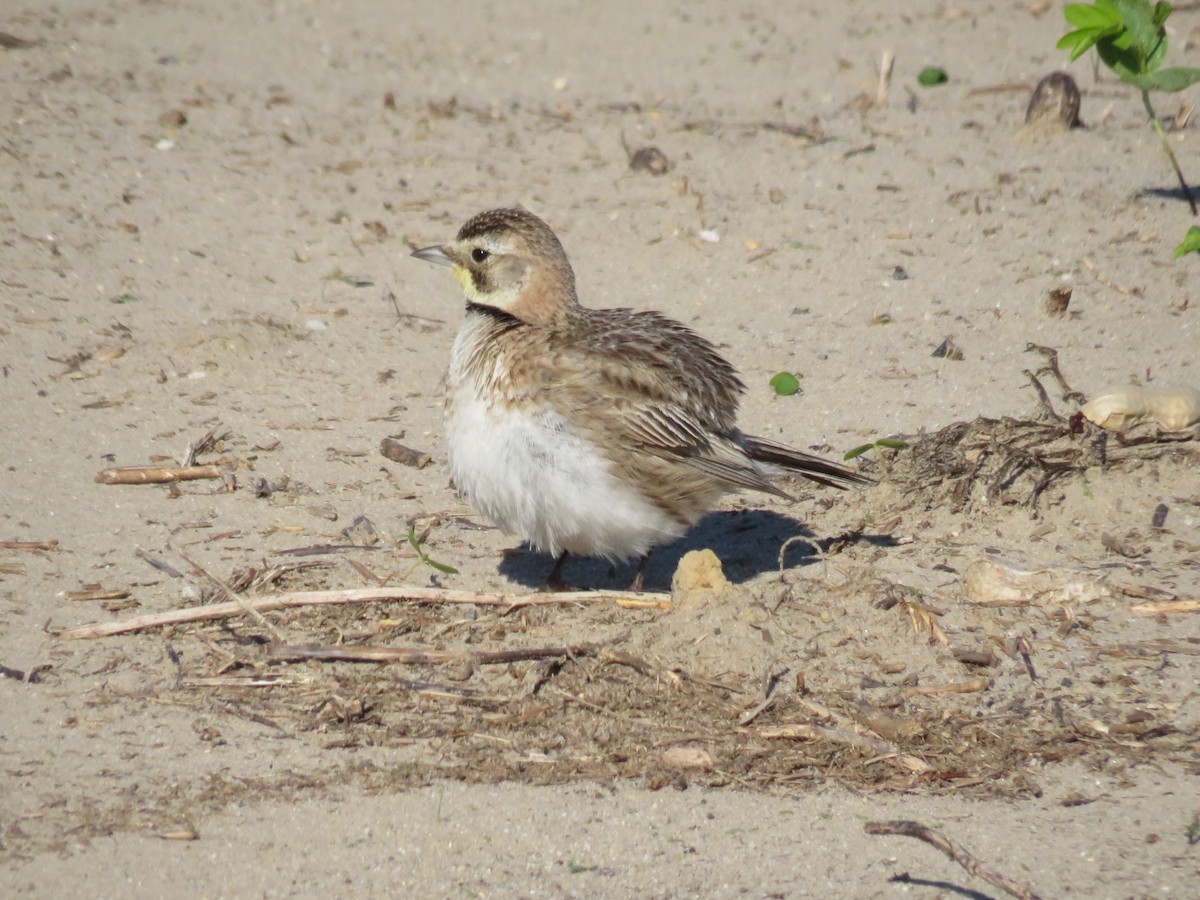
x: 1175, y: 78
x: 886, y: 443
x: 932, y: 75
x: 785, y: 384
x: 1146, y: 36
x: 412, y: 540
x: 1141, y: 45
x: 1191, y: 242
x: 1080, y: 42
x: 1128, y: 35
x: 441, y: 567
x: 1101, y: 15
x: 1092, y: 23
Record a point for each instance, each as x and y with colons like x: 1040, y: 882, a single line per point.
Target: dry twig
x: 203, y: 445
x: 1165, y: 607
x: 955, y: 851
x: 970, y: 686
x: 157, y: 474
x: 886, y: 62
x: 240, y: 601
x: 97, y: 594
x: 215, y: 611
x: 426, y: 655
x: 1119, y: 288
x: 808, y: 732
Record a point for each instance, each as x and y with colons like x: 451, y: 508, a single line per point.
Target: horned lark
x: 598, y: 432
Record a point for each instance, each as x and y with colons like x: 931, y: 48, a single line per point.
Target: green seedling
x: 423, y: 557
x: 785, y: 384
x: 882, y: 443
x: 1131, y: 39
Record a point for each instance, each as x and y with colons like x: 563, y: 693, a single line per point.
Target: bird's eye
x: 479, y: 254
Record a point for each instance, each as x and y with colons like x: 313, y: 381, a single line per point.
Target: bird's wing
x: 668, y: 431
x: 640, y: 381
x: 797, y: 462
x: 660, y: 359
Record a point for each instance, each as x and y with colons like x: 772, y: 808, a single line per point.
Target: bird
x: 585, y: 431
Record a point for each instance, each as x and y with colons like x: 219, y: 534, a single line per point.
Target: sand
x: 207, y: 216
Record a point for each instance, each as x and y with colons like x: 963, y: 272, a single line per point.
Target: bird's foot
x: 554, y: 581
x: 639, y: 577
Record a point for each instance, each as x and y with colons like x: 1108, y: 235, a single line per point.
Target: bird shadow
x: 747, y: 541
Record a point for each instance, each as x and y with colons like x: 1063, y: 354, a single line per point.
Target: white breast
x: 533, y: 474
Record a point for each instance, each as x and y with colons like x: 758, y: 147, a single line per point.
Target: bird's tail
x: 797, y: 462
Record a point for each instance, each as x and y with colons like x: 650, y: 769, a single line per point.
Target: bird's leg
x: 640, y: 575
x: 554, y: 581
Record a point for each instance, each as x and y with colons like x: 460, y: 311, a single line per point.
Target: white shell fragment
x: 994, y: 582
x: 687, y: 758
x: 1172, y: 409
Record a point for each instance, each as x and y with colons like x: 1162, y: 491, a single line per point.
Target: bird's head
x: 509, y: 260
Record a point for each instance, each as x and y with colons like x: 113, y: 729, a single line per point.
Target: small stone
x: 650, y: 160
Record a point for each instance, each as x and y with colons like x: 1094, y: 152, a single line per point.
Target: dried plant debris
x: 991, y: 461
x: 1013, y: 461
x: 503, y: 689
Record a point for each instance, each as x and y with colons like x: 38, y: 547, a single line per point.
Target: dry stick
x: 365, y: 595
x: 157, y: 474
x: 886, y: 61
x: 1120, y: 289
x: 971, y: 686
x: 242, y: 602
x: 97, y: 595
x: 28, y: 545
x: 195, y: 448
x: 1068, y: 392
x: 395, y: 451
x: 1166, y: 606
x: 832, y: 733
x: 1142, y: 591
x: 424, y: 655
x: 1047, y: 408
x: 953, y: 850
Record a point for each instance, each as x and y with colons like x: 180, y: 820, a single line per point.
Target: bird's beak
x: 434, y: 255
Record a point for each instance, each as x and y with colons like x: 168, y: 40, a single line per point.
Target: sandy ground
x: 205, y: 222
